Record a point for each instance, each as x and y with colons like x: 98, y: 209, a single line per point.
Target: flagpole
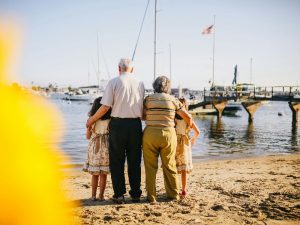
x: 213, y: 58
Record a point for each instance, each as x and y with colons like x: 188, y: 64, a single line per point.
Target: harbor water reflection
x: 233, y: 137
x: 228, y: 137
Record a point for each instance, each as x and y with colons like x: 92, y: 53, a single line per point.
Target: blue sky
x: 60, y: 40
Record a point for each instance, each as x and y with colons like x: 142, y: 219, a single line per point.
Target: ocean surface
x: 228, y: 137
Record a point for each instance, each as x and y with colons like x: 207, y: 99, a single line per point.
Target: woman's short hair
x: 161, y: 85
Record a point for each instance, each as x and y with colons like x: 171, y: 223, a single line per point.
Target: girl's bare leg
x: 94, y: 185
x: 183, y: 180
x: 102, y: 184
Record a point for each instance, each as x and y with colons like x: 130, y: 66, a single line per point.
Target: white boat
x: 77, y: 97
x: 83, y: 94
x: 57, y: 95
x: 297, y: 96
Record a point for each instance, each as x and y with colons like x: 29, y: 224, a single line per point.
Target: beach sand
x: 261, y: 190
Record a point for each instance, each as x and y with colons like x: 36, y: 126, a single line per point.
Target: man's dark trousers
x: 125, y: 141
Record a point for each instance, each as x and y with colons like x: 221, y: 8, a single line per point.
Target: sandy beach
x: 260, y: 190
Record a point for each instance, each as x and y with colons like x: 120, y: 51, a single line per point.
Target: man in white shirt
x: 125, y: 95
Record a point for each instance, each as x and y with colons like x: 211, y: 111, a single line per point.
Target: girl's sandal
x: 101, y: 198
x: 93, y: 199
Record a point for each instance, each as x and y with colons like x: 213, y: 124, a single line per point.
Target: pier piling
x: 251, y: 108
x: 295, y: 107
x: 219, y: 106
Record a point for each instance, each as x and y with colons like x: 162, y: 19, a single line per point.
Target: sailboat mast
x: 88, y: 73
x: 98, y: 68
x: 170, y: 55
x: 251, y: 60
x: 213, y: 57
x: 155, y: 12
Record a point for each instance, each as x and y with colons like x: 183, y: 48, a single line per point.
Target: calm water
x: 229, y: 137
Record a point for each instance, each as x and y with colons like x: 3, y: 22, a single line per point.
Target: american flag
x: 208, y: 30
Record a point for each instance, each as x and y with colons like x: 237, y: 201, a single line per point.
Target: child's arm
x: 89, y: 132
x: 196, y: 133
x: 100, y: 112
x: 185, y: 116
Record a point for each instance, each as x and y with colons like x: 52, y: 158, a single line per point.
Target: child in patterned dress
x: 97, y: 163
x: 183, y: 151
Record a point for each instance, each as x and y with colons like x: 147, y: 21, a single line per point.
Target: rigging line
x: 105, y: 62
x: 94, y: 66
x: 95, y: 69
x: 136, y: 44
x: 104, y: 59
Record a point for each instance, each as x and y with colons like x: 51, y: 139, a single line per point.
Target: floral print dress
x: 183, y: 151
x: 98, y: 156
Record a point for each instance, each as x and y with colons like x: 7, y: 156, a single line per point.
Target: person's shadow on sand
x: 89, y: 202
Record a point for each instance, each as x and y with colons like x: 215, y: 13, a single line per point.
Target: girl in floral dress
x: 97, y: 163
x: 184, y: 142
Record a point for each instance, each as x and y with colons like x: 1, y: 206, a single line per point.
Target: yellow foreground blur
x: 30, y: 184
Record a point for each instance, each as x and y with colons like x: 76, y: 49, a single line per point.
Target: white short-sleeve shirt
x: 125, y: 95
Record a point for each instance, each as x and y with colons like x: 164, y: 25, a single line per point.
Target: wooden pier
x: 251, y: 98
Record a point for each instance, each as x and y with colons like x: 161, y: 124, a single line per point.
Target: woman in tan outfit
x: 160, y: 138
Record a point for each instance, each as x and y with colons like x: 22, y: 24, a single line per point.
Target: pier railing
x: 251, y: 97
x: 273, y: 93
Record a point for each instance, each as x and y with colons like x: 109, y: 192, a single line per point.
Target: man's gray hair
x: 125, y: 63
x: 162, y: 85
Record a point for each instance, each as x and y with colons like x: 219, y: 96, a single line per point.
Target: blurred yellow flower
x: 30, y: 184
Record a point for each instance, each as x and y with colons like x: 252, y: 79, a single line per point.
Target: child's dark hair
x: 185, y: 105
x: 96, y: 106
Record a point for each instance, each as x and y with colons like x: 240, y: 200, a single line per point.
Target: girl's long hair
x: 185, y: 105
x: 96, y: 105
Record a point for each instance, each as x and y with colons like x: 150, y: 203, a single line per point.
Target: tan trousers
x: 160, y: 141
